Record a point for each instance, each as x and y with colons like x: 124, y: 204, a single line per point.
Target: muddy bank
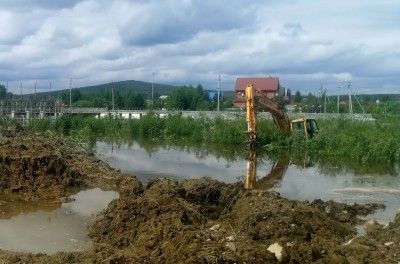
x: 193, y: 221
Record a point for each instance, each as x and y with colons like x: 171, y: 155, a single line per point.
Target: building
x: 269, y: 85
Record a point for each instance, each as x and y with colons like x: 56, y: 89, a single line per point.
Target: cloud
x: 305, y: 43
x: 172, y: 21
x: 29, y: 5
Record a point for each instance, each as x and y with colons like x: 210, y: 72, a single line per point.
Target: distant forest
x: 135, y: 95
x: 142, y: 95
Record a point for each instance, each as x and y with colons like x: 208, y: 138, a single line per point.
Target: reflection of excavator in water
x: 276, y: 174
x: 257, y: 101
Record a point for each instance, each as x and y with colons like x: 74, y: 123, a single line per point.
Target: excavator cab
x: 308, y: 126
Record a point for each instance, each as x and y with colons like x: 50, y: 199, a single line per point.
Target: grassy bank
x: 357, y: 141
x: 364, y: 142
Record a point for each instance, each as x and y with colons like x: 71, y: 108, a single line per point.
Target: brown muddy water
x: 47, y: 227
x: 306, y: 180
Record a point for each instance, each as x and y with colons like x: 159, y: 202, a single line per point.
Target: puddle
x: 49, y: 227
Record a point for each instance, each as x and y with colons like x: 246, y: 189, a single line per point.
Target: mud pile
x: 45, y: 166
x: 173, y: 222
x: 192, y: 221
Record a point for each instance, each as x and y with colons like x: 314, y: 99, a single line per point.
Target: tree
x: 134, y: 101
x: 311, y: 99
x: 3, y: 92
x: 185, y: 98
x: 297, y: 97
x: 74, y: 93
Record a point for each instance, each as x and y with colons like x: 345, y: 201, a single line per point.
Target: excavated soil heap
x: 192, y: 221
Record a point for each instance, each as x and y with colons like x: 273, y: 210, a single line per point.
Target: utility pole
x: 325, y: 102
x: 219, y: 80
x: 35, y: 96
x: 112, y: 95
x: 321, y: 92
x: 21, y: 95
x: 70, y: 92
x: 152, y: 91
x: 338, y: 98
x: 20, y: 100
x: 350, y: 102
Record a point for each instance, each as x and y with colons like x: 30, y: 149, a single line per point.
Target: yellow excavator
x: 257, y: 101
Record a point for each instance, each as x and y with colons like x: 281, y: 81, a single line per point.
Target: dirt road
x: 193, y: 221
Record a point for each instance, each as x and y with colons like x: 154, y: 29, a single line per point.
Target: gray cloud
x: 29, y: 5
x: 173, y: 21
x: 189, y: 42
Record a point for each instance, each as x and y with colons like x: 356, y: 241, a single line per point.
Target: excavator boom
x: 257, y: 101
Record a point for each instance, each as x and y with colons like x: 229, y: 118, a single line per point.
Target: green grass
x: 363, y: 142
x: 350, y: 140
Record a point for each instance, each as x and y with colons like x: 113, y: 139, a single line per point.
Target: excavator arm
x: 257, y: 101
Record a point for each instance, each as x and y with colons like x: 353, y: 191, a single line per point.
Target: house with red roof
x: 269, y: 85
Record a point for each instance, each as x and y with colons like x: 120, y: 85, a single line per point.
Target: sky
x: 308, y: 44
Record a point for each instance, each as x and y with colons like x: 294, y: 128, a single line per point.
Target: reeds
x: 358, y: 141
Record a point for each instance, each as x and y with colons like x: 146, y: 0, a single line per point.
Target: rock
x: 279, y: 251
x: 328, y: 209
x: 230, y: 238
x: 67, y: 199
x: 349, y: 242
x: 397, y: 217
x: 389, y: 243
x: 372, y: 226
x: 336, y: 259
x: 215, y: 227
x: 231, y: 246
x: 289, y: 244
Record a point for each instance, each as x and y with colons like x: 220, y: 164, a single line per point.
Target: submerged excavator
x: 257, y: 101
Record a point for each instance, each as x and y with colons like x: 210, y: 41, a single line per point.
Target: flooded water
x: 47, y: 227
x: 306, y: 180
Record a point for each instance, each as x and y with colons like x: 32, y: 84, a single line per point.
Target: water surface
x: 304, y: 180
x: 46, y: 227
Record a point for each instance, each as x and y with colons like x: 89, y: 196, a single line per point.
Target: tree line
x: 179, y: 98
x: 370, y: 104
x: 196, y: 98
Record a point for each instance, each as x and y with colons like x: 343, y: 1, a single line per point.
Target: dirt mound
x: 205, y: 221
x: 193, y: 221
x: 45, y: 166
x: 344, y: 212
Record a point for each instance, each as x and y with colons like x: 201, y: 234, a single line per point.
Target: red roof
x: 262, y: 83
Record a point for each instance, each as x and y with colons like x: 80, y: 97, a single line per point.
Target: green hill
x: 138, y: 87
x: 130, y: 85
x: 130, y: 95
